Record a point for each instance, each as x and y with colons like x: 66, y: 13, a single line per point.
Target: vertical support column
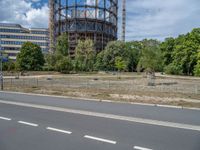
x: 67, y: 26
x: 52, y: 26
x: 59, y: 12
x: 75, y: 19
x: 123, y: 20
x: 116, y: 25
x: 103, y: 33
x: 96, y: 17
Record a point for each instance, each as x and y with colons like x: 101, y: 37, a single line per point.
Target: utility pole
x: 123, y: 20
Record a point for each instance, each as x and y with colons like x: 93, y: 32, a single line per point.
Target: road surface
x: 94, y: 125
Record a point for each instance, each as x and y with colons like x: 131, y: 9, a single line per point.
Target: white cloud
x: 145, y: 18
x: 38, y: 17
x: 160, y: 19
x: 23, y: 12
x: 90, y: 2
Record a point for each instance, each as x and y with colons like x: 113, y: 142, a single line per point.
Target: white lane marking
x: 28, y: 123
x: 141, y: 148
x: 142, y: 104
x: 168, y: 106
x: 109, y: 116
x: 100, y: 139
x: 58, y: 130
x: 4, y: 118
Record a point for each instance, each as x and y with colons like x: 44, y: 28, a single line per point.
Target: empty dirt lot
x: 127, y: 87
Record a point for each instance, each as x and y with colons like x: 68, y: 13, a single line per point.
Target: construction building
x: 83, y: 19
x: 12, y: 36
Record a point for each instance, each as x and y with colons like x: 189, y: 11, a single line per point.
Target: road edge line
x: 109, y: 116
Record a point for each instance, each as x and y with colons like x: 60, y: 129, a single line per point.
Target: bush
x: 9, y: 66
x: 197, y: 69
x: 173, y: 69
x: 64, y: 65
x: 197, y: 66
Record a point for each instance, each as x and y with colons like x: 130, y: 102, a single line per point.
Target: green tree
x: 62, y: 45
x: 60, y: 60
x: 106, y: 59
x: 185, y: 57
x: 85, y: 55
x: 167, y: 48
x: 173, y: 69
x: 9, y: 66
x: 180, y: 54
x: 64, y: 65
x: 120, y: 64
x: 50, y: 60
x: 151, y: 57
x: 99, y: 64
x: 197, y: 67
x: 30, y: 57
x: 133, y: 49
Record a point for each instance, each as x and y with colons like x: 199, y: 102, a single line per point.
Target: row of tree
x: 180, y: 56
x: 117, y: 56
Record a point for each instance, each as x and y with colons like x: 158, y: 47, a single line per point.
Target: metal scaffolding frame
x: 123, y: 20
x: 83, y: 19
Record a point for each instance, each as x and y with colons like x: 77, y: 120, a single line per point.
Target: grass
x: 130, y: 88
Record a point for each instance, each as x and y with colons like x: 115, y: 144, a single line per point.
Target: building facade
x: 12, y: 36
x: 84, y: 19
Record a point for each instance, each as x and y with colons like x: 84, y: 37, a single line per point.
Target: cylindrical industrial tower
x: 87, y: 19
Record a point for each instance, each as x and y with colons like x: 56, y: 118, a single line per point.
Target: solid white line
x: 109, y: 116
x: 100, y: 139
x: 4, y: 118
x: 28, y: 123
x: 168, y: 106
x: 141, y: 148
x: 142, y: 104
x: 58, y: 130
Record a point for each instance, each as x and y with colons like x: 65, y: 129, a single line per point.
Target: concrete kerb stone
x: 102, y: 100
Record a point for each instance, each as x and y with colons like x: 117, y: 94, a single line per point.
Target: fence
x: 123, y: 85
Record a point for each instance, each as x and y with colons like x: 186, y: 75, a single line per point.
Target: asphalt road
x: 185, y: 116
x: 25, y: 128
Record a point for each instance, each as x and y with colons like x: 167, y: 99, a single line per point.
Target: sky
x: 157, y: 19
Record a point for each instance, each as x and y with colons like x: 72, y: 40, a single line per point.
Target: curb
x: 103, y: 100
x: 110, y: 116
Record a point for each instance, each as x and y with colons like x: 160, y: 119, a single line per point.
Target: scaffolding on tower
x: 123, y: 38
x: 83, y: 19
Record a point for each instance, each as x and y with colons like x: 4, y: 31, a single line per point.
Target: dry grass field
x: 126, y: 87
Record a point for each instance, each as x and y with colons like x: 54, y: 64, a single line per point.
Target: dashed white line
x: 28, y: 123
x: 109, y: 116
x: 100, y: 139
x: 59, y: 130
x: 141, y: 148
x: 4, y: 118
